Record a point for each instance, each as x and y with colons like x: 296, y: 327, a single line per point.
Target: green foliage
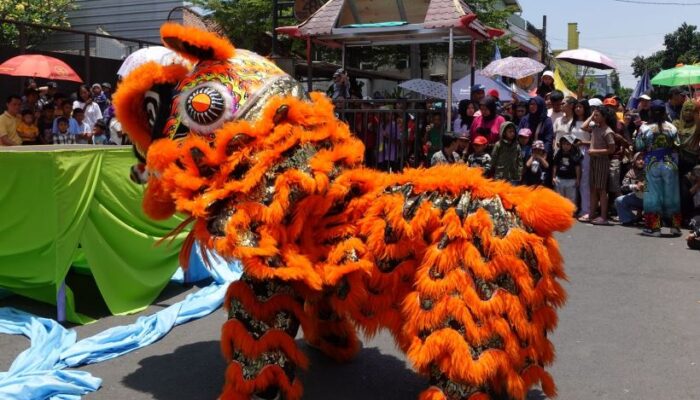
x: 681, y: 46
x: 246, y: 22
x: 44, y: 12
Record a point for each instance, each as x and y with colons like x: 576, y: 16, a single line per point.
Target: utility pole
x: 544, y: 39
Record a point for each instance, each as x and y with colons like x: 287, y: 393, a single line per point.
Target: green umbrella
x: 679, y: 76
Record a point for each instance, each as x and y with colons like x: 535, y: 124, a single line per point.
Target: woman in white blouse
x: 92, y: 110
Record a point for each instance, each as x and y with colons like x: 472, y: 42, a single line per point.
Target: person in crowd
x: 524, y: 143
x: 107, y: 90
x: 562, y: 123
x: 9, y: 121
x: 477, y: 93
x: 488, y: 124
x: 694, y: 178
x: 546, y: 85
x: 90, y: 108
x: 58, y: 100
x: 602, y: 146
x: 116, y: 133
x: 567, y: 168
x: 676, y: 98
x: 556, y: 105
x: 340, y: 88
x: 27, y: 128
x: 389, y: 143
x: 658, y: 139
x: 632, y: 197
x: 643, y: 107
x: 31, y: 101
x: 45, y: 123
x: 67, y: 113
x: 99, y: 97
x: 48, y: 96
x: 686, y: 125
x: 81, y: 130
x: 465, y: 117
x: 506, y: 160
x: 480, y: 158
x: 519, y: 111
x: 536, y: 166
x: 619, y: 161
x: 539, y: 123
x: 99, y: 134
x: 433, y: 136
x: 450, y: 153
x: 493, y: 93
x: 688, y: 154
x: 582, y: 112
x: 631, y: 123
x: 62, y: 134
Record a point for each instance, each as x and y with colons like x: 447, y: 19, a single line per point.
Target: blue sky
x: 617, y: 29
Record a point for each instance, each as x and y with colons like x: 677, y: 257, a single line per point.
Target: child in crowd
x: 480, y: 158
x: 45, y: 123
x: 506, y: 157
x: 27, y: 129
x: 536, y: 166
x: 632, y: 198
x: 81, y: 129
x: 62, y: 134
x: 567, y: 168
x: 99, y: 133
x: 524, y: 142
x: 600, y: 125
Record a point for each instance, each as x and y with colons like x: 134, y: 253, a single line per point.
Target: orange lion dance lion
x: 463, y: 271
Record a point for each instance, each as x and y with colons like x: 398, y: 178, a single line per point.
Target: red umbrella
x: 39, y: 66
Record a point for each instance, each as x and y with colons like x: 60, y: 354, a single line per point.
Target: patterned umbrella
x: 587, y: 58
x: 427, y: 88
x: 513, y: 67
x: 159, y: 54
x: 39, y: 66
x: 680, y: 76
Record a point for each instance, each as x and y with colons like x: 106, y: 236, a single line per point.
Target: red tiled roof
x: 322, y: 21
x: 445, y: 13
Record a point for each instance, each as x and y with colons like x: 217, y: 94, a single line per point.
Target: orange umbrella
x: 39, y: 66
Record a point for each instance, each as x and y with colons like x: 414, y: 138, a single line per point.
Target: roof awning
x: 358, y: 23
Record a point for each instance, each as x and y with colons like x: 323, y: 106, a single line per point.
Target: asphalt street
x: 630, y: 330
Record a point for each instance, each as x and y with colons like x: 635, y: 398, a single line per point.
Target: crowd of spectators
x: 638, y: 166
x: 45, y: 115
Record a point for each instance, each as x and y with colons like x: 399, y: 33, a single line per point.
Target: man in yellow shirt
x: 8, y: 122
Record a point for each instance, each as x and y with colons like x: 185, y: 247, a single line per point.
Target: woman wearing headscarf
x: 539, y: 123
x: 689, y: 152
x: 659, y: 139
x: 547, y: 84
x: 488, y: 124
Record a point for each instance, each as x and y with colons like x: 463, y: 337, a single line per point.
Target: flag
x: 643, y: 86
x: 559, y: 84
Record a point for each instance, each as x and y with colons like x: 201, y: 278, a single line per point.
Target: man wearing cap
x: 107, y: 90
x: 480, y: 158
x: 340, y: 89
x: 676, y: 98
x: 48, y: 94
x: 643, y: 107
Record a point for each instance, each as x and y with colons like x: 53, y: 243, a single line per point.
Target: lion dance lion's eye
x: 206, y: 107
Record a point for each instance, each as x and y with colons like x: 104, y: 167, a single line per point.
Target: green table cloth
x: 61, y: 202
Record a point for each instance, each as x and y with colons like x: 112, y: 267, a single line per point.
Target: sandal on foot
x: 600, y: 221
x: 584, y: 218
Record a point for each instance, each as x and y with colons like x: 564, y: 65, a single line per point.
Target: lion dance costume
x: 463, y: 271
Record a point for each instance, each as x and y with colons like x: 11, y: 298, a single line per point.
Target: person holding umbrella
x: 659, y: 139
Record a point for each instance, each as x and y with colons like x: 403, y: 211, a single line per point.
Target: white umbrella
x: 513, y: 67
x: 587, y: 58
x: 427, y: 88
x: 161, y: 55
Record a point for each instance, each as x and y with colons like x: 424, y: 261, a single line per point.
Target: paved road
x: 630, y: 330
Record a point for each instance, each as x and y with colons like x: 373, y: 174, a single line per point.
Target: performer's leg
x: 330, y: 332
x: 652, y: 199
x: 258, y: 341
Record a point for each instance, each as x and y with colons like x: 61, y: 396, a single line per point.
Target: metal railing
x: 393, y: 131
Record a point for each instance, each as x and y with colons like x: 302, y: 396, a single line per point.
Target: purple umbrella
x: 513, y: 67
x: 587, y: 58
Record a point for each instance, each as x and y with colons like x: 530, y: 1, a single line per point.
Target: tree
x: 622, y: 92
x: 681, y: 46
x: 246, y: 22
x: 45, y: 12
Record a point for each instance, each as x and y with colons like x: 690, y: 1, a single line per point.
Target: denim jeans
x: 625, y: 205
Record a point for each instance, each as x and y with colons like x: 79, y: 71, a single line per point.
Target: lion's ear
x: 195, y: 44
x: 131, y: 101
